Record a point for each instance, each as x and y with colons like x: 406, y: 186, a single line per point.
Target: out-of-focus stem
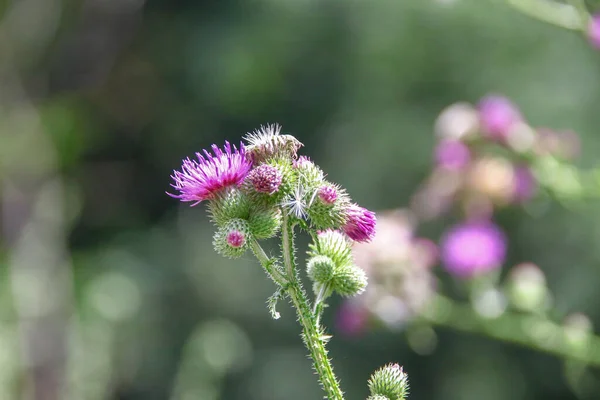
x: 531, y: 331
x: 563, y: 15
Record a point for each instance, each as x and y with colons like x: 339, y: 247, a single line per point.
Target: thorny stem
x: 268, y: 264
x: 526, y: 330
x: 311, y: 334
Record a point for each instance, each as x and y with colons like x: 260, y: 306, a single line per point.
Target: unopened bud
x: 349, y: 280
x: 231, y: 240
x: 391, y: 382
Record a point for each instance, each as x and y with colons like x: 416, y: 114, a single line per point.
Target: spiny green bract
x: 349, y: 280
x: 229, y: 205
x: 377, y: 397
x: 389, y: 381
x: 221, y: 244
x: 265, y: 222
x: 334, y: 245
x: 320, y: 269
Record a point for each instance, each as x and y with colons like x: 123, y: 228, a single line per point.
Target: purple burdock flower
x: 236, y: 239
x: 203, y: 179
x: 360, y: 223
x: 498, y: 116
x: 452, y: 154
x: 265, y: 179
x: 524, y: 184
x: 593, y: 31
x: 327, y: 194
x: 472, y: 248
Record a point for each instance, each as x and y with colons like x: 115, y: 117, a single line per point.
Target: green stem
x: 268, y: 264
x: 568, y: 16
x: 312, y: 336
x: 531, y: 331
x: 584, y: 15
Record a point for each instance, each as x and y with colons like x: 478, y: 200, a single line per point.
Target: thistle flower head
x: 327, y: 194
x: 472, y: 248
x: 267, y: 142
x: 236, y: 238
x: 204, y: 179
x: 452, y: 154
x: 360, y: 223
x: 265, y: 222
x: 389, y: 381
x: 265, y: 178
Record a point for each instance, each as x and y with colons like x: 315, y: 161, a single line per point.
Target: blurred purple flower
x: 593, y: 31
x: 524, y: 184
x: 201, y: 180
x: 472, y: 248
x: 351, y: 319
x: 498, y: 116
x: 360, y: 223
x: 452, y: 154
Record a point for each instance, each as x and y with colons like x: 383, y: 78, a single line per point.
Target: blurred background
x: 110, y: 289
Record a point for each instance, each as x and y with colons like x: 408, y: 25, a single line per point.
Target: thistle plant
x: 263, y: 189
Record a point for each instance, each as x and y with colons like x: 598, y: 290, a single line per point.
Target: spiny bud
x: 266, y: 143
x: 377, y: 397
x: 228, y: 205
x: 267, y: 184
x: 231, y: 240
x: 327, y: 208
x: 349, y: 280
x: 320, y: 269
x: 265, y: 179
x: 309, y: 174
x: 265, y: 223
x: 328, y: 194
x: 389, y: 381
x: 334, y: 245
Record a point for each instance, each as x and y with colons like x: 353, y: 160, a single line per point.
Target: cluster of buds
x: 250, y: 189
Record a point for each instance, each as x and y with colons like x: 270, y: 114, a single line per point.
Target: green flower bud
x: 310, y: 175
x: 327, y: 206
x: 265, y: 222
x: 320, y: 269
x: 390, y: 381
x: 230, y: 204
x: 377, y: 397
x: 334, y: 245
x: 231, y: 240
x: 349, y: 280
x: 527, y: 288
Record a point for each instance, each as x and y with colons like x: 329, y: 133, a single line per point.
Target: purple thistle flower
x: 327, y: 194
x: 472, y: 248
x: 236, y: 239
x: 452, y: 154
x: 593, y: 31
x: 265, y: 179
x: 360, y: 223
x: 201, y: 180
x: 498, y: 116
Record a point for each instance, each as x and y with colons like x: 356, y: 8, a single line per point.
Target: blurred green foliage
x: 122, y: 91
